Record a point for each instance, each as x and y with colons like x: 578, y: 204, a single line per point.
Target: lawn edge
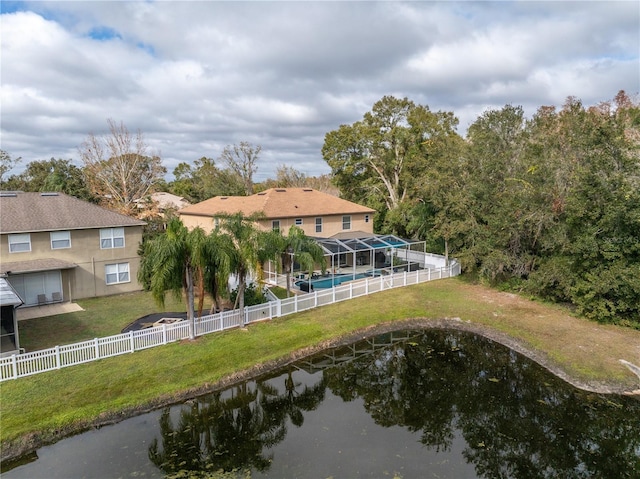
x: 23, y: 445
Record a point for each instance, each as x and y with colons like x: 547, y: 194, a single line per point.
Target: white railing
x: 20, y: 365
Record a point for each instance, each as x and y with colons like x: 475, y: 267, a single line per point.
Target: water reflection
x: 231, y: 433
x: 516, y: 420
x: 405, y: 404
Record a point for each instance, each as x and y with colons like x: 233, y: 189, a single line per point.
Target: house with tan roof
x: 318, y: 214
x: 57, y: 248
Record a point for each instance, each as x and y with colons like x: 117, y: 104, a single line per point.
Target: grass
x: 51, y: 403
x: 101, y: 317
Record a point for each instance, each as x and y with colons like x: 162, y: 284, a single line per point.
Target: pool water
x: 331, y: 281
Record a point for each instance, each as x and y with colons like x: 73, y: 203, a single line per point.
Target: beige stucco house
x: 318, y: 214
x: 54, y: 247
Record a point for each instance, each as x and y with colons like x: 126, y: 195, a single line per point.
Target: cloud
x: 197, y: 76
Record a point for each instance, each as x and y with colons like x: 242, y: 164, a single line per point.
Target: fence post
x: 96, y: 347
x: 295, y: 303
x: 164, y: 333
x: 333, y: 294
x: 350, y: 290
x: 429, y: 274
x: 58, y: 357
x: 245, y: 316
x: 366, y: 286
x: 14, y: 366
x: 131, y: 342
x: 405, y: 278
x: 315, y: 299
x: 279, y: 308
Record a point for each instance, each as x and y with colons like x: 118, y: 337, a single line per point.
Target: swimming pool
x: 330, y: 281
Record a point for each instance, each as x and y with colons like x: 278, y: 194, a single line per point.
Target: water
x: 409, y: 404
x: 334, y: 280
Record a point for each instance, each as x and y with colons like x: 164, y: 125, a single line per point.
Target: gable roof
x: 277, y: 203
x: 32, y: 212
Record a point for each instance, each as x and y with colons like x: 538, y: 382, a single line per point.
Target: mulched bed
x: 148, y: 320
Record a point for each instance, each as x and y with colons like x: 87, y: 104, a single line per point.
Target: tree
x: 52, y: 175
x: 118, y: 169
x: 216, y: 267
x: 6, y: 165
x: 248, y: 250
x: 375, y: 161
x: 205, y: 181
x: 242, y: 159
x: 170, y: 262
x: 298, y: 247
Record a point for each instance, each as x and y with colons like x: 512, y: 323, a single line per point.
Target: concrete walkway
x: 46, y: 310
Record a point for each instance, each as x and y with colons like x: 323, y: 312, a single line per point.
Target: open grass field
x: 43, y: 407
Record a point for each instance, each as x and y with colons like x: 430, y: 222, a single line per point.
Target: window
x: 298, y: 221
x: 216, y: 222
x: 346, y: 222
x: 60, y: 239
x: 366, y: 218
x: 275, y: 225
x: 318, y: 225
x: 117, y: 273
x: 19, y: 243
x: 112, y: 238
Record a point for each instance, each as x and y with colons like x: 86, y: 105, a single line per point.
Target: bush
x: 253, y: 294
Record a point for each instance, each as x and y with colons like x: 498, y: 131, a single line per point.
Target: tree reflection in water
x: 516, y: 419
x: 216, y: 433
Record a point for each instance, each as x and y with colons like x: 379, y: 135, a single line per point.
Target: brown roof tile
x: 30, y: 212
x: 277, y: 203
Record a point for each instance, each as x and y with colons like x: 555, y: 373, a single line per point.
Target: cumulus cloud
x: 197, y: 76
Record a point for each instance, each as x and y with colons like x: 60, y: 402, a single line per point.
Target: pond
x: 409, y: 404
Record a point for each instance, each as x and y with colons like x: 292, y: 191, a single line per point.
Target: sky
x: 196, y: 76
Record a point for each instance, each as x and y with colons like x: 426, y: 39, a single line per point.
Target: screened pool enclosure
x: 351, y: 258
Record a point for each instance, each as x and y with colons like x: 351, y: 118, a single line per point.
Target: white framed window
x: 20, y: 243
x: 60, y: 239
x: 216, y: 222
x: 366, y: 218
x: 346, y: 222
x: 275, y: 225
x: 298, y: 221
x: 117, y: 273
x: 318, y: 225
x: 111, y: 238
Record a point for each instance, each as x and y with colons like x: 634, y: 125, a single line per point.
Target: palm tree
x: 248, y: 250
x: 169, y: 262
x: 216, y: 267
x: 298, y: 247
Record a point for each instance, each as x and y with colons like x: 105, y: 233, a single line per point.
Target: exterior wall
x: 331, y: 224
x: 193, y: 221
x: 88, y: 279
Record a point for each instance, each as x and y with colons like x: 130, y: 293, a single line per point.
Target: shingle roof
x: 30, y: 212
x: 35, y: 265
x: 277, y: 203
x: 8, y: 296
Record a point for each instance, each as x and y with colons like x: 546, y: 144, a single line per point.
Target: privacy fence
x: 26, y: 364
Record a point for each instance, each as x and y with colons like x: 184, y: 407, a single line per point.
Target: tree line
x: 548, y: 205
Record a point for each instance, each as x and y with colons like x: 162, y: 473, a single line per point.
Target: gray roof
x: 7, y: 294
x: 31, y: 212
x: 35, y: 265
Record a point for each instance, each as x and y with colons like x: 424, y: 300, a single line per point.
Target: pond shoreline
x: 34, y: 441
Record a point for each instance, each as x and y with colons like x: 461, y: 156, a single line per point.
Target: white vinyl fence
x: 26, y: 364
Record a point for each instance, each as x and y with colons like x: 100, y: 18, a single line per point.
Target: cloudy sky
x: 195, y: 76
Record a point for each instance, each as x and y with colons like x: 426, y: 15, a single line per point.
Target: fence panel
x: 77, y: 353
x: 61, y: 356
x: 115, y: 345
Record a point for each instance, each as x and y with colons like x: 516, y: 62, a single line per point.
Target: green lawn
x: 48, y: 404
x: 101, y: 317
